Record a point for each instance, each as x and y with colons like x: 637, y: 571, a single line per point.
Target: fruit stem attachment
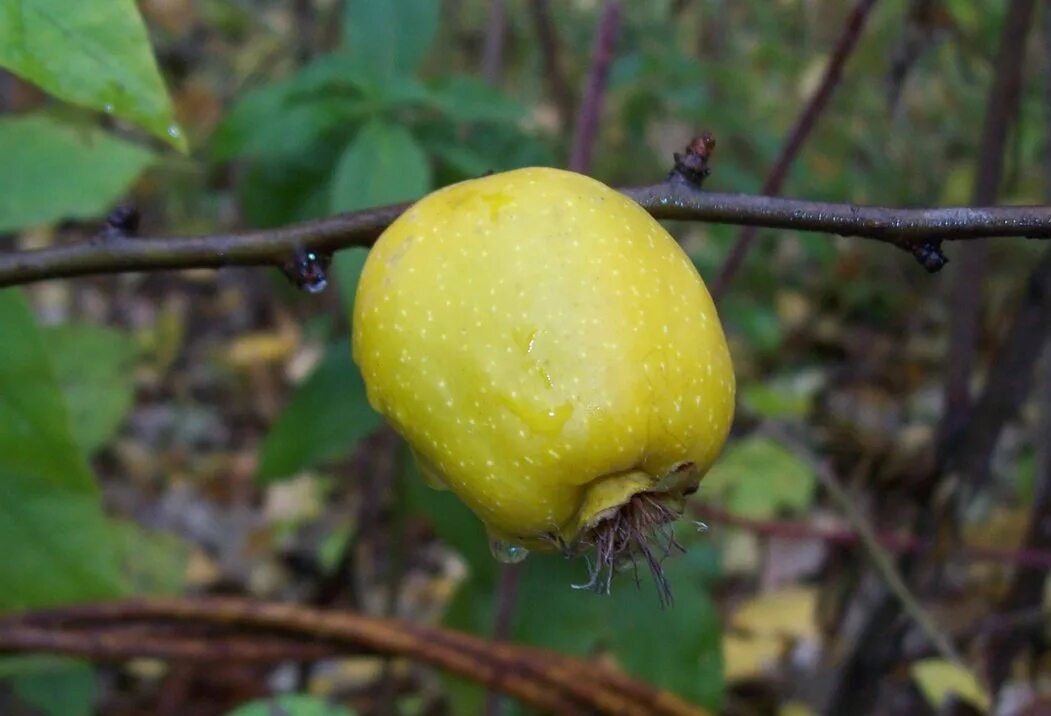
x: 641, y: 527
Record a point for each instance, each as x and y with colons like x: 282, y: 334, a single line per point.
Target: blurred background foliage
x: 208, y: 433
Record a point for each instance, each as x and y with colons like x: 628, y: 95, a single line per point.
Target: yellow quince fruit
x: 550, y: 354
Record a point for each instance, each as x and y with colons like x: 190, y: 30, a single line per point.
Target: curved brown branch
x: 236, y: 627
x: 913, y: 230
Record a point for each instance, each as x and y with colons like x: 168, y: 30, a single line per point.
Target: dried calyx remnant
x: 691, y: 166
x: 641, y: 528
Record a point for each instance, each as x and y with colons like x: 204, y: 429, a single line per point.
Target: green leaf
x: 471, y: 99
x: 325, y: 417
x: 758, y: 477
x: 756, y: 322
x: 255, y: 130
x: 790, y: 395
x: 153, y: 563
x: 291, y: 705
x: 386, y: 39
x: 276, y: 192
x: 93, y: 365
x: 95, y: 54
x: 58, y: 687
x: 282, y: 118
x: 382, y: 165
x: 52, y: 171
x: 58, y: 547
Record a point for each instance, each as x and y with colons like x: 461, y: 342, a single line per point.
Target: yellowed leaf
x: 794, y: 708
x: 788, y: 612
x: 939, y: 679
x: 747, y: 656
x: 262, y: 347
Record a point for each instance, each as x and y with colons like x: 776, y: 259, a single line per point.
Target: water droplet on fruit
x: 507, y: 552
x: 174, y: 132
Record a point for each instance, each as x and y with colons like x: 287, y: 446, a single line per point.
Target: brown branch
x: 595, y: 89
x: 805, y: 123
x: 544, y: 679
x: 913, y: 230
x: 1008, y: 383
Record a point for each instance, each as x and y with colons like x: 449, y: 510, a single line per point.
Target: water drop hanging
x: 507, y: 552
x: 307, y: 270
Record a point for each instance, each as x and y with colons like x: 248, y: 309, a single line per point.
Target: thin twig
x: 551, y: 55
x: 1001, y: 109
x: 894, y: 543
x: 912, y: 230
x: 804, y: 124
x: 495, y: 39
x: 506, y: 599
x: 880, y: 557
x: 595, y: 89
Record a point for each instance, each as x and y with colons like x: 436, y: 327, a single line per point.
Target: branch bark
x: 916, y: 231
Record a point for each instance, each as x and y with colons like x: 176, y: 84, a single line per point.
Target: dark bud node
x: 692, y: 165
x: 930, y: 256
x: 307, y: 270
x: 122, y: 223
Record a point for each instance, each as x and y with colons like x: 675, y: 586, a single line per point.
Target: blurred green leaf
x: 276, y: 192
x: 93, y: 365
x: 758, y: 477
x: 789, y: 395
x: 58, y: 545
x: 348, y: 266
x: 756, y: 322
x: 282, y: 118
x: 486, y: 148
x: 259, y: 127
x: 291, y: 705
x: 96, y: 54
x: 153, y: 563
x: 325, y: 417
x: 52, y: 170
x: 57, y: 687
x: 390, y: 38
x: 471, y: 99
x: 384, y: 164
